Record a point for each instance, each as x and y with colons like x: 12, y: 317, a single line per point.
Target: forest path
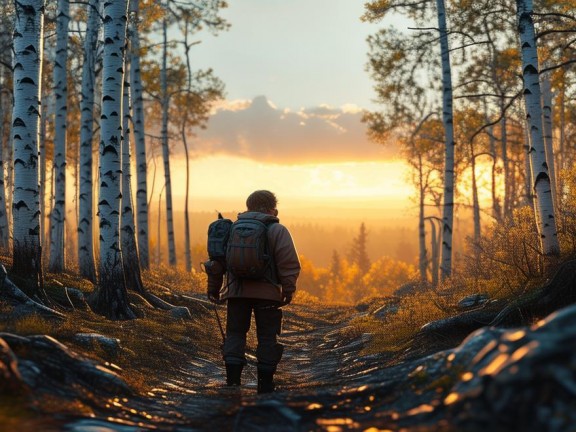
x: 319, y: 361
x: 314, y: 353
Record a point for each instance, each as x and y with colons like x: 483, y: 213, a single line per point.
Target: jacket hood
x: 263, y: 217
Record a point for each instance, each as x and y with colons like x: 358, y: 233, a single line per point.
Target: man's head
x: 262, y: 201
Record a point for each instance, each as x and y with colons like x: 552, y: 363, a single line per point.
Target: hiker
x: 265, y: 293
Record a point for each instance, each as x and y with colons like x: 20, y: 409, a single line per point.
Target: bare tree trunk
x: 475, y: 200
x: 548, y: 134
x: 422, y: 253
x: 57, y: 260
x: 166, y: 151
x: 86, y: 260
x: 187, y: 247
x: 128, y: 234
x: 447, y: 119
x: 544, y: 207
x: 507, y: 201
x: 140, y: 142
x: 110, y: 297
x: 28, y: 53
x: 4, y: 234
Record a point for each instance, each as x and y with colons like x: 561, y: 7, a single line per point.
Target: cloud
x: 260, y: 131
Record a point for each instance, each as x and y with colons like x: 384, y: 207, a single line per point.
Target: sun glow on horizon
x: 346, y: 184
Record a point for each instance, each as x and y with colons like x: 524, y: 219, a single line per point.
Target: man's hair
x: 261, y: 201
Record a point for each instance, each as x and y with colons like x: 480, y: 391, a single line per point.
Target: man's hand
x: 286, y: 298
x: 214, y: 297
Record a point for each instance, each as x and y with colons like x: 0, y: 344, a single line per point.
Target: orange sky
x: 370, y: 190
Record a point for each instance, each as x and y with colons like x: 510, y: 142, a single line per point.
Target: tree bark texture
x: 86, y: 262
x: 140, y: 143
x: 110, y: 297
x: 166, y: 151
x: 447, y: 119
x: 58, y: 226
x: 27, y: 66
x: 128, y: 235
x: 541, y: 183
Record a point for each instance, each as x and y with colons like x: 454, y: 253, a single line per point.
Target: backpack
x: 247, y: 254
x: 218, y: 234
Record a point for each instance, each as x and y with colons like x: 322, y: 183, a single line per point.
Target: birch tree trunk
x: 507, y: 199
x: 27, y: 66
x: 86, y: 263
x: 422, y: 253
x: 166, y: 150
x: 110, y: 297
x: 43, y: 133
x: 4, y: 234
x: 541, y: 183
x: 187, y: 246
x: 140, y: 142
x: 447, y: 119
x: 128, y: 235
x: 548, y: 134
x: 58, y: 215
x: 475, y: 199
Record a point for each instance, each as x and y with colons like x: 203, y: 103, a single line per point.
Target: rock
x: 516, y: 371
x: 77, y: 298
x: 473, y: 301
x: 110, y: 345
x: 387, y: 309
x: 407, y: 289
x: 48, y: 366
x: 180, y: 312
x: 10, y: 380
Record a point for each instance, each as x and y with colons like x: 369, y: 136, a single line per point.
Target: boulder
x: 473, y: 300
x: 110, y: 345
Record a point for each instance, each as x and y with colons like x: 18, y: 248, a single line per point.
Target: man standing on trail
x: 262, y: 267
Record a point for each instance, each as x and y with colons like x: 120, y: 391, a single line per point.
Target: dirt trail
x: 313, y: 366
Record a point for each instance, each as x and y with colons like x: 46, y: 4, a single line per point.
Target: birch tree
x: 27, y: 67
x: 110, y: 297
x: 128, y: 235
x: 165, y: 100
x: 375, y: 11
x: 540, y: 177
x: 448, y: 120
x: 85, y: 229
x: 58, y: 214
x: 5, y: 113
x: 139, y: 137
x: 5, y: 97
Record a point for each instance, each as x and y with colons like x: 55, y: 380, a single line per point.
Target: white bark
x: 166, y: 151
x: 58, y: 223
x: 27, y: 65
x: 140, y: 143
x: 447, y: 119
x: 110, y: 298
x: 43, y: 132
x: 544, y: 207
x: 85, y: 229
x: 128, y: 235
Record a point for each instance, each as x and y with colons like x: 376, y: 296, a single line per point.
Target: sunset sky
x: 296, y: 86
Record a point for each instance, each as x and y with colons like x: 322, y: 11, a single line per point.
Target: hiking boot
x: 265, y: 381
x: 233, y: 374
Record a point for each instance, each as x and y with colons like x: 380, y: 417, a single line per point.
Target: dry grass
x: 153, y: 348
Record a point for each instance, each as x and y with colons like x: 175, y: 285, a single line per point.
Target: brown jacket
x: 285, y: 259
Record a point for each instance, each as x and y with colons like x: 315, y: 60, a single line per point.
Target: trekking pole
x: 219, y: 324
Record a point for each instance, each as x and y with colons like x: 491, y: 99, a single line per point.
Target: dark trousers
x: 268, y: 317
